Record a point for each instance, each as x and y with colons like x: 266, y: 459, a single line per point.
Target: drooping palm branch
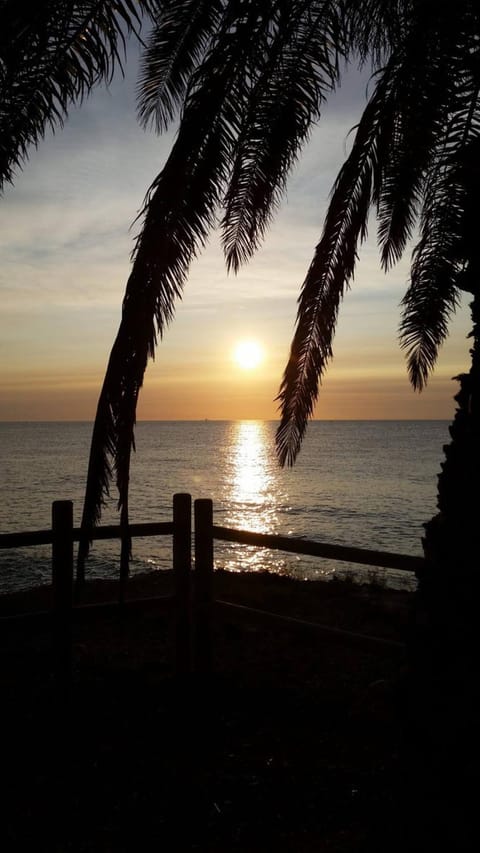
x: 176, y: 46
x: 257, y: 74
x: 284, y: 103
x: 180, y: 210
x: 329, y: 274
x: 249, y: 79
x: 52, y: 53
x: 442, y: 264
x: 432, y: 295
x: 403, y: 161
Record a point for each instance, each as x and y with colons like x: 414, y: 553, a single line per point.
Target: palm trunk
x: 451, y: 542
x: 442, y: 718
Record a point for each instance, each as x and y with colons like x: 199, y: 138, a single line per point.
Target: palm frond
x: 180, y: 210
x: 176, y: 46
x: 423, y: 92
x: 329, y: 274
x: 430, y: 300
x: 284, y: 101
x: 432, y: 295
x: 403, y: 149
x: 51, y: 57
x: 441, y: 259
x: 375, y: 28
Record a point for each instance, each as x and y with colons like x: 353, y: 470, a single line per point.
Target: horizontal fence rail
x: 265, y: 617
x: 273, y: 541
x: 192, y: 602
x: 113, y: 531
x: 344, y: 553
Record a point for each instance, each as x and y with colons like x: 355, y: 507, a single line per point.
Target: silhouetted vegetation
x: 248, y: 80
x: 293, y: 742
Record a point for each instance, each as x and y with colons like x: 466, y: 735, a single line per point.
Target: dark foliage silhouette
x: 248, y: 81
x: 52, y: 53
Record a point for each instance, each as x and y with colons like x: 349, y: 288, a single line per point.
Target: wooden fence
x: 193, y: 599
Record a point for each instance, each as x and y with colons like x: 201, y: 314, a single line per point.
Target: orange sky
x: 65, y: 245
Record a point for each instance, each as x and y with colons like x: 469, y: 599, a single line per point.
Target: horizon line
x: 220, y: 420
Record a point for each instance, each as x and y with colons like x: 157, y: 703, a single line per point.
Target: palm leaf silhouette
x: 248, y: 80
x: 330, y: 272
x: 180, y: 210
x: 424, y: 111
x: 51, y: 56
x: 301, y: 66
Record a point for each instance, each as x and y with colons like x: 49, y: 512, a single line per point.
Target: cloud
x: 65, y: 243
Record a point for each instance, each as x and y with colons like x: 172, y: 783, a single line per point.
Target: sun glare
x: 248, y: 354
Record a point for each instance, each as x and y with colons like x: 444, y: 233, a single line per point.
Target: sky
x: 66, y: 234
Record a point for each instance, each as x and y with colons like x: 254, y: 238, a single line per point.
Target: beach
x: 294, y: 742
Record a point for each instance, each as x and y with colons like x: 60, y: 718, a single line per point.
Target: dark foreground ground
x: 297, y: 741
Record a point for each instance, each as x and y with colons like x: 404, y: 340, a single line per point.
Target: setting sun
x: 248, y: 354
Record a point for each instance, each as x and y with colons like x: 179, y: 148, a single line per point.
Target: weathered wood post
x: 62, y: 588
x: 182, y: 564
x: 203, y: 510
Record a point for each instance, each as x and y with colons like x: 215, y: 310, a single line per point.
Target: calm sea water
x: 363, y: 483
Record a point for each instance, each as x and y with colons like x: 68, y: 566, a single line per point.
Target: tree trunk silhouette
x: 442, y: 705
x: 448, y: 587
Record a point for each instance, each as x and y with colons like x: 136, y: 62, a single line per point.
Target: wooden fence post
x: 203, y: 510
x: 182, y: 564
x: 62, y: 584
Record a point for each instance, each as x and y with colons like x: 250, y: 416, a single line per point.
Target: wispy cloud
x: 65, y: 243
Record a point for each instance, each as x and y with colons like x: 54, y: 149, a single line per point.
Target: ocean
x: 369, y: 484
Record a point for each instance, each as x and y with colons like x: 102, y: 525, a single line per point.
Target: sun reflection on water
x: 251, y: 478
x: 253, y: 494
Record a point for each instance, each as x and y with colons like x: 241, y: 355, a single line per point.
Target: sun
x: 248, y: 354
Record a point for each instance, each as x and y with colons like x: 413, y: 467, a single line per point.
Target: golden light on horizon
x: 248, y: 354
